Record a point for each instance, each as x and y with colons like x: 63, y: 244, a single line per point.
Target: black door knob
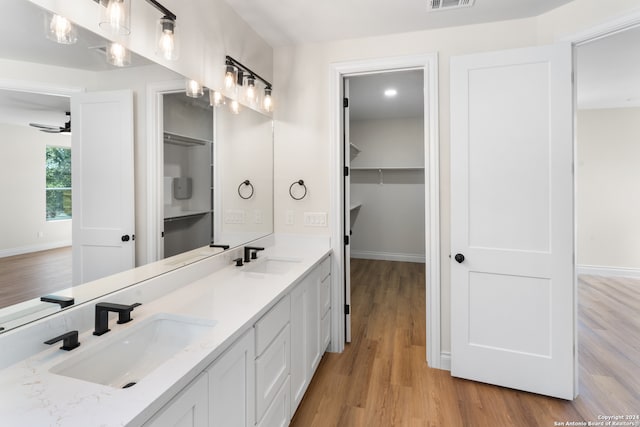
x: 125, y: 238
x: 459, y: 258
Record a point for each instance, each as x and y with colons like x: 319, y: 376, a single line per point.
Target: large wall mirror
x: 48, y: 94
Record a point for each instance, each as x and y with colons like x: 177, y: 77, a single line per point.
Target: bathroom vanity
x: 212, y: 344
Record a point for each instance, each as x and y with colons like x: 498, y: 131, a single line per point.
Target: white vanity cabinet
x: 188, y: 409
x: 232, y: 385
x: 310, y: 306
x: 273, y: 355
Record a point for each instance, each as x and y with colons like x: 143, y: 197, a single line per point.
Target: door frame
x: 429, y: 64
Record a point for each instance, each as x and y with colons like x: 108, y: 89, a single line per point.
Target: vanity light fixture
x: 116, y: 17
x: 234, y: 106
x: 194, y: 89
x: 118, y: 55
x: 235, y: 73
x: 166, y: 42
x: 59, y: 29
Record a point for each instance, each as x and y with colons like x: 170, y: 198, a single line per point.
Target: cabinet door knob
x: 459, y: 258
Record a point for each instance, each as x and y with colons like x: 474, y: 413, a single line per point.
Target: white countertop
x: 235, y: 299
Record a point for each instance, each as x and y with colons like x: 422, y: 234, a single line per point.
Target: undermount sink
x: 271, y: 265
x: 127, y: 356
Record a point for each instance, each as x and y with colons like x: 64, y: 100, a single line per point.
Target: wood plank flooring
x: 32, y: 275
x: 381, y: 379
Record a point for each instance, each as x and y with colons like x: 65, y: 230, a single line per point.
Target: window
x: 58, y: 176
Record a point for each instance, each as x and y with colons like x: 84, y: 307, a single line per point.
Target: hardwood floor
x: 23, y: 277
x: 382, y: 378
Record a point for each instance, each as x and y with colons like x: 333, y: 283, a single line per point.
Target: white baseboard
x: 33, y: 248
x: 445, y: 360
x: 597, y: 270
x: 388, y: 256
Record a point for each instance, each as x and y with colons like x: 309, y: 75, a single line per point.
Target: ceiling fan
x: 55, y: 129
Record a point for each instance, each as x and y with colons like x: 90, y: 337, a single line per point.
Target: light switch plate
x: 315, y: 219
x: 289, y: 218
x: 234, y: 216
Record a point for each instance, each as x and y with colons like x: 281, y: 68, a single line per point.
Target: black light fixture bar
x: 161, y: 8
x: 244, y: 69
x: 154, y: 3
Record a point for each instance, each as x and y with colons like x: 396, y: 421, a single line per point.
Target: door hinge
x: 345, y: 102
x: 347, y: 309
x: 346, y: 171
x: 162, y: 234
x: 346, y: 240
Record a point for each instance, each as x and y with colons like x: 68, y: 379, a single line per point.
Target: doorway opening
x: 370, y: 175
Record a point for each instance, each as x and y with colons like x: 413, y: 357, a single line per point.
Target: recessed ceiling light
x: 389, y: 93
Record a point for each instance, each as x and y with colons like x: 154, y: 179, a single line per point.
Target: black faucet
x: 58, y: 299
x: 251, y: 252
x: 69, y: 340
x: 102, y: 315
x: 216, y: 245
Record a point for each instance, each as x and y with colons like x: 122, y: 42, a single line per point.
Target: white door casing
x: 347, y: 215
x: 103, y: 184
x: 513, y: 317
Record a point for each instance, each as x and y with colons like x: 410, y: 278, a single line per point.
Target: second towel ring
x: 300, y: 183
x: 248, y: 183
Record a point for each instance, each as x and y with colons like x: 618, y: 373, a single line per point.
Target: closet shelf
x: 353, y: 150
x: 186, y: 214
x: 183, y: 140
x: 355, y: 206
x: 375, y: 168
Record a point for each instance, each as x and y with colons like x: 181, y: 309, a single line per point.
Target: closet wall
x: 188, y: 173
x: 387, y: 189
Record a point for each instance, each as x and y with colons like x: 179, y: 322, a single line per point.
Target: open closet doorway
x: 607, y: 202
x: 384, y: 196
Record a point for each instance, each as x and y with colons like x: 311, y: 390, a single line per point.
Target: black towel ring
x: 248, y: 183
x: 300, y: 183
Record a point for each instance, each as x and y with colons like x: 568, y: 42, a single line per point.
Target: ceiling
x: 292, y: 22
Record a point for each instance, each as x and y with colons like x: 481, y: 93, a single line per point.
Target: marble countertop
x: 232, y: 297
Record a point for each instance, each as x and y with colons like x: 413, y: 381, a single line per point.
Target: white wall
x: 608, y: 200
x: 390, y: 223
x: 22, y: 191
x: 302, y: 117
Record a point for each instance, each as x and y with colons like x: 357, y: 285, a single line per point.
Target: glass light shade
x: 267, y: 101
x: 60, y: 29
x: 230, y: 77
x: 250, y: 91
x: 234, y: 107
x: 166, y: 39
x: 194, y: 89
x: 118, y: 55
x: 116, y: 17
x: 215, y: 98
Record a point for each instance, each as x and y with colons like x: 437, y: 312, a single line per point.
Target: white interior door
x: 347, y: 215
x: 513, y: 320
x: 102, y: 182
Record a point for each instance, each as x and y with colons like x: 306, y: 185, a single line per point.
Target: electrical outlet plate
x: 315, y: 219
x: 289, y: 218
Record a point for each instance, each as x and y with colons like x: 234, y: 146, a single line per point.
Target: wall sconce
x: 194, y: 89
x: 215, y: 98
x: 60, y: 29
x: 116, y: 17
x: 166, y: 39
x: 235, y: 73
x: 117, y: 55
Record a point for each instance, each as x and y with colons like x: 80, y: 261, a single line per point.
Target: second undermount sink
x: 271, y: 265
x: 127, y: 356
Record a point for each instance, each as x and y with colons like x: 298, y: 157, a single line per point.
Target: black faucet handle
x: 238, y: 262
x: 124, y: 316
x: 69, y: 340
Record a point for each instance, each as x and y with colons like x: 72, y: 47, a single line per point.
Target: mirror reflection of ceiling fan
x: 55, y: 129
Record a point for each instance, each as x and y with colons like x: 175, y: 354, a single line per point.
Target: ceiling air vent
x: 434, y: 5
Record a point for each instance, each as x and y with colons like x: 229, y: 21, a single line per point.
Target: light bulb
x: 230, y: 77
x: 234, y: 107
x: 116, y: 17
x: 215, y: 98
x: 251, y: 92
x: 194, y: 89
x: 61, y: 31
x: 166, y: 41
x: 117, y: 55
x: 267, y: 102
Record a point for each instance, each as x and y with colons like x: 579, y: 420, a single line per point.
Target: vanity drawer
x: 269, y: 325
x: 272, y: 370
x: 278, y: 413
x: 325, y: 295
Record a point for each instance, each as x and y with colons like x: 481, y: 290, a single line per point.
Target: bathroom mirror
x: 37, y: 78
